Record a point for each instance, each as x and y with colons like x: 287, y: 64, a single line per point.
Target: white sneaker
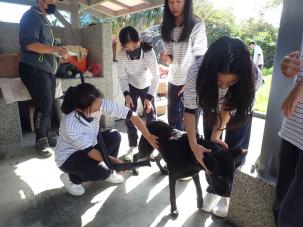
x: 185, y: 178
x: 221, y: 210
x: 73, y: 189
x: 115, y: 178
x: 130, y: 154
x: 210, y: 200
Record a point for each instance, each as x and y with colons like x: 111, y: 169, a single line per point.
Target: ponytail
x: 80, y: 97
x: 68, y: 104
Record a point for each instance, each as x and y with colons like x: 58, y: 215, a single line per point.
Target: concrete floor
x: 31, y: 193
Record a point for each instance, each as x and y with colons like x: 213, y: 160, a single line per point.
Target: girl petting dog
x: 77, y: 153
x: 223, y: 84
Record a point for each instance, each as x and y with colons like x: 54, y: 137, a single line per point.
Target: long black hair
x: 80, y: 97
x: 168, y: 22
x: 130, y: 34
x: 227, y: 56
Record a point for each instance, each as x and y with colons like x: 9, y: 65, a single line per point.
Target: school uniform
x: 183, y: 55
x: 78, y: 136
x: 236, y: 137
x: 289, y: 189
x: 139, y: 78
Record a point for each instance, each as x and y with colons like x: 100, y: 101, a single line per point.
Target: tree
x: 223, y: 23
x: 218, y: 23
x: 264, y: 34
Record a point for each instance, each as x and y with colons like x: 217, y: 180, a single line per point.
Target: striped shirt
x: 292, y: 127
x: 184, y: 53
x: 140, y: 73
x: 190, y: 94
x: 76, y: 133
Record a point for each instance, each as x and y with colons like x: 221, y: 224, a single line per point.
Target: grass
x: 263, y: 92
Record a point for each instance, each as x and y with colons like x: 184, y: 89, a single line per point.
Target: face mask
x: 51, y: 8
x: 96, y: 115
x: 135, y: 54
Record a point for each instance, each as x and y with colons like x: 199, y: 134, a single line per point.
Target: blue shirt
x: 35, y: 28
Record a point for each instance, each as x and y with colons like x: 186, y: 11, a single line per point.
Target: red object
x: 95, y: 69
x: 81, y: 65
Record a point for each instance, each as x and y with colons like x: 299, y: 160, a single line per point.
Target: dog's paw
x: 135, y: 172
x: 164, y: 171
x: 174, y: 213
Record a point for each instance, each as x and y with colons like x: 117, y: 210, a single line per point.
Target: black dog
x: 175, y: 150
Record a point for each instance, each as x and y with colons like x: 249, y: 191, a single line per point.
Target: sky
x: 243, y: 9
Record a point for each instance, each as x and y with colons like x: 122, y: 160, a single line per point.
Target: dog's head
x: 221, y: 163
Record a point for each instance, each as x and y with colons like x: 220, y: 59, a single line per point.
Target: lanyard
x: 41, y: 56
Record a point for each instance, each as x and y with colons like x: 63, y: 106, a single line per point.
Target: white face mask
x: 96, y: 115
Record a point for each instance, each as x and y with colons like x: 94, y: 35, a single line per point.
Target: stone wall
x: 96, y: 38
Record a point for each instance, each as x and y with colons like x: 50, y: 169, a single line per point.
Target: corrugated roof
x: 101, y: 8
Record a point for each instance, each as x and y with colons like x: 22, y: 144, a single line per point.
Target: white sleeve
x: 154, y: 69
x: 113, y: 110
x: 168, y: 47
x: 122, y: 75
x: 199, y: 39
x: 190, y: 94
x: 258, y: 50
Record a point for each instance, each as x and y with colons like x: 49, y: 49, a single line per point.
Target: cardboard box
x: 161, y: 105
x: 9, y: 65
x: 162, y: 89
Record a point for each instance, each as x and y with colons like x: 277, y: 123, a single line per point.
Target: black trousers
x: 175, y: 107
x: 136, y: 93
x: 288, y: 206
x: 236, y: 137
x: 41, y: 86
x: 81, y: 167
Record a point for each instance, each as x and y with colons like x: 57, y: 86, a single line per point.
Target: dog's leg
x: 163, y: 169
x: 172, y: 189
x: 198, y: 190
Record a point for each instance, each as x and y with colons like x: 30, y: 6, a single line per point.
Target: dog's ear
x: 210, y: 161
x: 238, y: 151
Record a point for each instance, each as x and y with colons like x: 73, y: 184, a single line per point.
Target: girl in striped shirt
x: 76, y: 153
x: 223, y: 84
x: 184, y: 40
x: 139, y: 78
x: 289, y: 195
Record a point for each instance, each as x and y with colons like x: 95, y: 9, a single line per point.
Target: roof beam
x: 141, y: 7
x: 92, y: 3
x: 62, y: 19
x: 105, y: 10
x: 121, y: 4
x: 60, y: 5
x: 97, y: 13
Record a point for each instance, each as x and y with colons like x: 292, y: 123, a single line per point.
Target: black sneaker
x: 52, y: 139
x: 43, y: 148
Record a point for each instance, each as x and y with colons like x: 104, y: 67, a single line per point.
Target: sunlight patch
x: 157, y: 188
x: 98, y: 200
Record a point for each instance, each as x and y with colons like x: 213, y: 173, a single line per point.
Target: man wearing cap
x: 38, y: 65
